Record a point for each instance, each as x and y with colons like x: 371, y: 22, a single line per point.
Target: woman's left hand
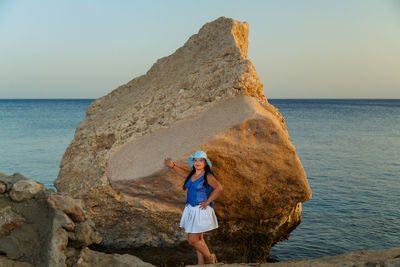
x: 204, y: 204
x: 169, y: 163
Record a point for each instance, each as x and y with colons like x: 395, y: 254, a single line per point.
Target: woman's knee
x: 193, y: 238
x: 192, y: 241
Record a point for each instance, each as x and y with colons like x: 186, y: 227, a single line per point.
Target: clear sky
x: 301, y: 49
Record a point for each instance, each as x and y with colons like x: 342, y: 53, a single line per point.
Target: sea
x: 349, y: 148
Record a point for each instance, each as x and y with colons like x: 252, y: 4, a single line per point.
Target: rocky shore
x: 363, y: 258
x: 39, y: 227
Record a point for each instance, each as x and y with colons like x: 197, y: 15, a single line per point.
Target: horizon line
x: 312, y: 98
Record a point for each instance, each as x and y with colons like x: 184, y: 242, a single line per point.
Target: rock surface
x: 72, y: 207
x: 3, y: 187
x: 10, y: 180
x: 207, y: 95
x: 10, y: 263
x: 9, y: 220
x: 367, y: 258
x: 25, y: 189
x: 25, y: 226
x: 34, y: 232
x: 84, y: 235
x: 89, y: 258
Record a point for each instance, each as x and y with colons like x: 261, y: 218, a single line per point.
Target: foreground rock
x: 89, y: 258
x: 39, y: 227
x: 207, y: 95
x: 10, y: 263
x: 367, y: 258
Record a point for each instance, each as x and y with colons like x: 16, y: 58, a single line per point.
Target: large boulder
x: 207, y: 95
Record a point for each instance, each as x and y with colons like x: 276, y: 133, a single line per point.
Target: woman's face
x: 199, y: 163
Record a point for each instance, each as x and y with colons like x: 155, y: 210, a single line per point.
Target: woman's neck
x: 199, y: 172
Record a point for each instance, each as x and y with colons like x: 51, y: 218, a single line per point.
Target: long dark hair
x: 207, y: 171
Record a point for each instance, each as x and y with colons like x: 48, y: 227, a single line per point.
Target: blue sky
x: 301, y: 49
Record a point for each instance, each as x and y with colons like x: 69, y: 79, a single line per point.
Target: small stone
x: 25, y: 189
x: 72, y: 256
x: 10, y: 180
x: 64, y: 220
x: 84, y: 235
x: 72, y: 207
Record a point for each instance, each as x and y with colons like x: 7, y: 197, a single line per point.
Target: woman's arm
x: 179, y: 170
x: 215, y: 193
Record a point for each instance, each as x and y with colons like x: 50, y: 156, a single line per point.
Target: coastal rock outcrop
x: 35, y: 232
x: 207, y: 95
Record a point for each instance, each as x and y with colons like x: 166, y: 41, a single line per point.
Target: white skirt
x: 196, y: 220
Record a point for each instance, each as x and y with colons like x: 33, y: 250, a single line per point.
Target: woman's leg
x: 198, y: 243
x: 200, y: 257
x: 214, y: 258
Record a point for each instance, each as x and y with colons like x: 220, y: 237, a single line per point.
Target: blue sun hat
x: 200, y: 155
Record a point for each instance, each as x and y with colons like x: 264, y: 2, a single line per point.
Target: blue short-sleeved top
x: 197, y: 192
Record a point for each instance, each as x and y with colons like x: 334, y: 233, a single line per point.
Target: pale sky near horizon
x: 301, y: 49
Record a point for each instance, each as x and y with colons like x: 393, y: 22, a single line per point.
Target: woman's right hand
x: 168, y: 162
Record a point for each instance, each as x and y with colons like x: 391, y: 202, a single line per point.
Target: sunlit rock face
x: 207, y: 95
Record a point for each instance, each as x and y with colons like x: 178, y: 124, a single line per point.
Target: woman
x: 198, y: 216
